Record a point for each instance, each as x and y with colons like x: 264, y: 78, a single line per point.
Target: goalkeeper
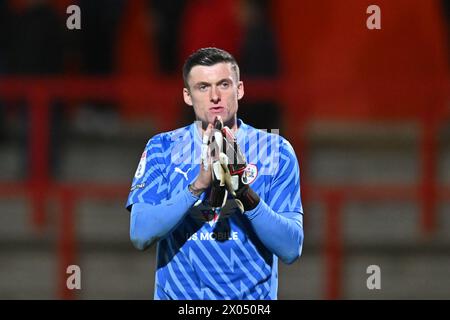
x: 220, y: 198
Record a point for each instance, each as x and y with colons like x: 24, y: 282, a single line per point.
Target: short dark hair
x: 208, y: 57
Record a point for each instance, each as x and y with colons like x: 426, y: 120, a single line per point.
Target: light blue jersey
x: 216, y: 255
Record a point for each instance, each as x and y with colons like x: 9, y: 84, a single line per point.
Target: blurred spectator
x: 100, y: 22
x: 135, y: 55
x: 35, y: 48
x: 259, y: 59
x: 4, y: 31
x: 36, y: 44
x: 134, y: 45
x: 446, y: 10
x: 167, y: 16
x: 210, y: 24
x: 258, y: 38
x: 4, y: 24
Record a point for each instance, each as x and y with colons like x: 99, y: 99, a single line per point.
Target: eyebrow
x: 208, y: 83
x: 198, y: 84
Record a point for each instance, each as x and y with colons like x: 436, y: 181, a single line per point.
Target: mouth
x: 217, y: 109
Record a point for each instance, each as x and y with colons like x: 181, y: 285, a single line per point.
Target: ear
x: 187, y: 97
x: 240, y: 89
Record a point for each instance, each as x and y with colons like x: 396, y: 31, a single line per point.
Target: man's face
x: 214, y: 91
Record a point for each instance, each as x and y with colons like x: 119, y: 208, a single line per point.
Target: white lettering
x: 374, y: 20
x: 221, y: 236
x: 74, y: 280
x: 74, y: 20
x: 374, y: 280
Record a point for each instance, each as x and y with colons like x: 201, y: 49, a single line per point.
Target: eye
x: 202, y: 87
x: 225, y: 85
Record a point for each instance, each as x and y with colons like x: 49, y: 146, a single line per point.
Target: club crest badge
x: 250, y: 174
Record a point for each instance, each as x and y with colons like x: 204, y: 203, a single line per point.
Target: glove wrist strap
x: 248, y: 197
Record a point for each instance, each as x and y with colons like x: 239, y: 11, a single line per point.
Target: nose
x: 215, y: 94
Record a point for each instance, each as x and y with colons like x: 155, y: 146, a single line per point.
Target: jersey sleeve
x: 284, y: 194
x: 149, y: 182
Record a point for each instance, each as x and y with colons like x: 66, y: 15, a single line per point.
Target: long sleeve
x: 148, y: 223
x: 278, y: 218
x: 281, y: 233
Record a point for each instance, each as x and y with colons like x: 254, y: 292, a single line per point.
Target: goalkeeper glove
x: 219, y: 193
x: 237, y: 172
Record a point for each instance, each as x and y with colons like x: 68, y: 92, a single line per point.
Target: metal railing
x: 164, y: 95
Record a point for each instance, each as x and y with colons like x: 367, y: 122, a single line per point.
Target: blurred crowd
x: 130, y: 38
x: 161, y: 33
x: 139, y: 38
